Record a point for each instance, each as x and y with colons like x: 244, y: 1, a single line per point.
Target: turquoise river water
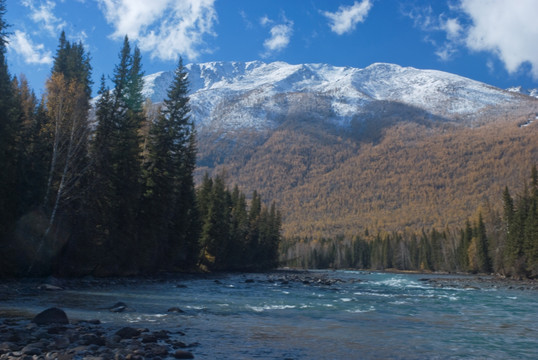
x: 287, y: 315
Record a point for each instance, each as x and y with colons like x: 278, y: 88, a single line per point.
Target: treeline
x: 505, y: 244
x: 235, y: 236
x: 108, y: 189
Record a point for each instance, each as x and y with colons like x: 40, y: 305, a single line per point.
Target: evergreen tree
x: 169, y: 176
x: 239, y: 229
x: 484, y: 261
x: 215, y: 236
x: 101, y: 205
x: 73, y: 62
x: 8, y: 136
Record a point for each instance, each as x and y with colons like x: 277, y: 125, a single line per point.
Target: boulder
x: 182, y: 354
x: 128, y: 332
x: 51, y: 316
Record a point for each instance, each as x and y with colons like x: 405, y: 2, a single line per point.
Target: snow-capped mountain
x: 520, y: 90
x: 257, y: 95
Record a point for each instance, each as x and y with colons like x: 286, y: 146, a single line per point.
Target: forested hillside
x: 504, y: 242
x: 415, y: 174
x: 114, y: 194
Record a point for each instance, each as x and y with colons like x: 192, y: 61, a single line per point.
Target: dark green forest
x: 109, y: 190
x: 505, y: 244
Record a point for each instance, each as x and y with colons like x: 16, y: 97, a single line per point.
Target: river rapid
x: 308, y: 315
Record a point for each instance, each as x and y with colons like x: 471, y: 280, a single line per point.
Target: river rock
x: 33, y: 349
x: 149, y: 338
x: 157, y: 350
x: 161, y: 334
x: 93, y: 339
x: 118, y: 307
x: 62, y: 342
x: 51, y: 316
x: 128, y: 332
x: 182, y: 354
x: 6, y: 347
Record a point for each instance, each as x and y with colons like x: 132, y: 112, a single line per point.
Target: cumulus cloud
x: 165, y: 28
x: 43, y: 15
x: 506, y: 28
x: 280, y: 35
x: 347, y: 17
x: 31, y: 53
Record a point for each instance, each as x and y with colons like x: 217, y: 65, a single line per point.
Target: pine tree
x: 239, y: 229
x: 484, y: 261
x: 169, y: 176
x: 215, y: 235
x: 125, y: 159
x: 8, y: 135
x: 102, y: 203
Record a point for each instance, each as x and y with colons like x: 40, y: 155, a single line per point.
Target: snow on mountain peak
x: 232, y: 95
x: 520, y: 90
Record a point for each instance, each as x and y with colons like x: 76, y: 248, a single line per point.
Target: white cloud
x: 43, y: 15
x: 265, y: 21
x: 166, y: 28
x: 506, y: 28
x: 280, y: 35
x: 452, y: 27
x: 31, y: 53
x: 347, y: 17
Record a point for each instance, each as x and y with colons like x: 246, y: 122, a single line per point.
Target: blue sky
x: 494, y: 41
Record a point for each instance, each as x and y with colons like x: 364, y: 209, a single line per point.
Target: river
x: 310, y: 315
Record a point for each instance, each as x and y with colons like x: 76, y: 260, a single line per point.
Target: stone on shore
x: 51, y: 316
x: 182, y: 354
x: 128, y: 332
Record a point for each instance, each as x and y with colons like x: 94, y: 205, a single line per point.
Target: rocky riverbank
x: 482, y: 282
x: 50, y: 335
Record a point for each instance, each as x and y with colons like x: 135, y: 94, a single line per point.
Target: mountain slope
x: 257, y: 95
x: 342, y: 149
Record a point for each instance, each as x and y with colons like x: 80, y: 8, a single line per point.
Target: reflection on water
x: 380, y: 316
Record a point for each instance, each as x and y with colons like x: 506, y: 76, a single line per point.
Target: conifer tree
x: 170, y: 192
x: 482, y: 246
x: 215, y: 236
x: 117, y: 166
x: 8, y: 134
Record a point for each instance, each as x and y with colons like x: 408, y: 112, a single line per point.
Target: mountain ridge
x: 341, y: 149
x: 234, y: 95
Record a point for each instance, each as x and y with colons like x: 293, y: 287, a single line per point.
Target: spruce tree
x: 482, y: 246
x: 125, y: 158
x: 8, y: 134
x: 170, y: 192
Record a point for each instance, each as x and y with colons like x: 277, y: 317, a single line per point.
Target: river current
x: 314, y: 315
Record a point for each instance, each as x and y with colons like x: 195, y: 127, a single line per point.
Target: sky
x: 493, y: 41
